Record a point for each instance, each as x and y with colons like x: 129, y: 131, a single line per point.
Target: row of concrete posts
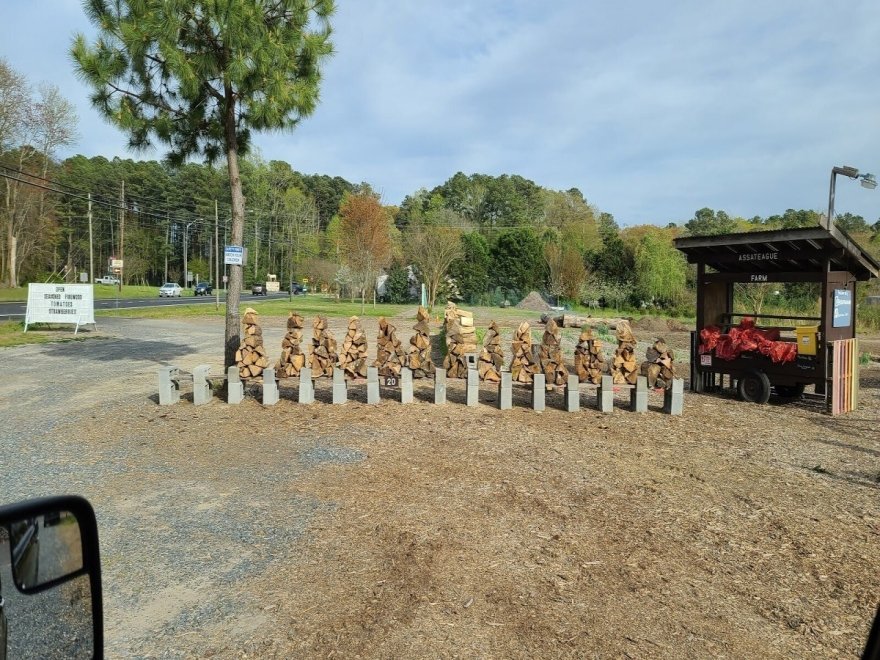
x: 169, y: 389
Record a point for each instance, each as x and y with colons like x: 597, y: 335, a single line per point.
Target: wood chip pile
x: 323, y: 357
x: 658, y: 365
x: 292, y: 357
x: 353, y: 356
x: 251, y: 356
x: 550, y: 358
x: 589, y: 363
x: 419, y: 358
x: 390, y: 356
x: 461, y: 339
x: 492, y: 355
x: 523, y: 366
x: 624, y: 368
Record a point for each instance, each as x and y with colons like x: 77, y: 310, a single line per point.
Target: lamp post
x: 867, y: 180
x: 185, y: 270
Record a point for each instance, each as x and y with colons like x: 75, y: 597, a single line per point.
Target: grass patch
x: 102, y: 292
x: 12, y: 334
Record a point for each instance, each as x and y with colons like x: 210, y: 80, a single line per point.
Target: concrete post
x: 372, y: 385
x: 673, y: 398
x: 605, y: 395
x: 439, y: 385
x: 306, y: 386
x: 538, y: 392
x: 406, y: 385
x: 505, y: 391
x: 234, y: 386
x: 201, y: 386
x: 638, y: 397
x: 169, y: 386
x: 473, y: 387
x: 340, y: 387
x: 573, y: 393
x: 270, y: 387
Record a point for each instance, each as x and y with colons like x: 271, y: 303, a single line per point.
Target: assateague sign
x: 60, y: 303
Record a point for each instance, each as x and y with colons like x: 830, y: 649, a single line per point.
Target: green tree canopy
x: 199, y: 76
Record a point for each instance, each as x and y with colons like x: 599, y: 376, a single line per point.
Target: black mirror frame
x: 88, y: 527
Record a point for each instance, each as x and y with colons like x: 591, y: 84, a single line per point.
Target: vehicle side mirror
x: 50, y: 580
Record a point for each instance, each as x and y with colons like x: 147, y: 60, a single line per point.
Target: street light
x: 867, y: 180
x: 185, y: 271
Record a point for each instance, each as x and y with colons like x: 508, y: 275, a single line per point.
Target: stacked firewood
x: 323, y: 357
x: 523, y: 366
x: 251, y: 356
x: 419, y: 357
x: 461, y: 339
x: 492, y: 355
x: 292, y: 357
x: 624, y: 367
x: 589, y: 363
x: 390, y: 356
x: 658, y: 365
x: 550, y: 356
x: 353, y: 357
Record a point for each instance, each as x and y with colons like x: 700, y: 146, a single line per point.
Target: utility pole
x: 216, y: 257
x: 91, y: 253
x: 122, y: 232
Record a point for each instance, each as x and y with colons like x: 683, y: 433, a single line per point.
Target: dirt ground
x: 735, y: 530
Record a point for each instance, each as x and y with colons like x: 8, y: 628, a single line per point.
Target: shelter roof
x: 804, y: 249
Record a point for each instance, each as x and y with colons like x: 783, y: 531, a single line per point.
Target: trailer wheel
x: 754, y: 387
x: 790, y: 391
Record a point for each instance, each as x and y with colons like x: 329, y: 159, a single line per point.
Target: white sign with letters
x: 234, y: 255
x: 60, y: 303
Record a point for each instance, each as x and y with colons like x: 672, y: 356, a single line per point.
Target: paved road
x: 18, y: 308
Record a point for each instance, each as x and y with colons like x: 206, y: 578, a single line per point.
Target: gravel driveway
x: 179, y: 539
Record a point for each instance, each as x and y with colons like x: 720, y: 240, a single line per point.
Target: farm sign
x: 60, y: 303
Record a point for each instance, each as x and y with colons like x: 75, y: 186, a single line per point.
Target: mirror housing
x: 50, y: 518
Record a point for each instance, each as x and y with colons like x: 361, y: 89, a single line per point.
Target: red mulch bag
x: 783, y: 351
x: 709, y: 338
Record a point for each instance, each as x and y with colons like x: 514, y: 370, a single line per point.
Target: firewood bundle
x: 323, y: 357
x: 251, y: 356
x: 589, y: 363
x: 492, y: 355
x: 461, y: 339
x: 550, y: 356
x: 658, y: 365
x: 624, y: 367
x: 292, y: 357
x: 390, y: 356
x: 353, y: 357
x: 523, y: 366
x: 419, y: 358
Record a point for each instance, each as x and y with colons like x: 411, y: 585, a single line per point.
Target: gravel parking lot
x: 737, y: 530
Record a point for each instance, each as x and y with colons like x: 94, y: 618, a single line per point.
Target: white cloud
x: 652, y: 109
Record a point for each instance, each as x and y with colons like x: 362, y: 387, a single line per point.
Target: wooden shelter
x: 828, y: 257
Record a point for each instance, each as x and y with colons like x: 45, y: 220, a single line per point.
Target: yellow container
x: 806, y: 339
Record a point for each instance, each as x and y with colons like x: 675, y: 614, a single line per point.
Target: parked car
x: 170, y: 290
x: 203, y: 289
x: 258, y: 289
x: 107, y: 279
x: 297, y: 289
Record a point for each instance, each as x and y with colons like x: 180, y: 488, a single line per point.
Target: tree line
x: 477, y: 238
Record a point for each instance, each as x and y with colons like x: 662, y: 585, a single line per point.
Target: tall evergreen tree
x: 199, y: 76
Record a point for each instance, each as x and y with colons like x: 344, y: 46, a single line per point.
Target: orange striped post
x: 844, y: 376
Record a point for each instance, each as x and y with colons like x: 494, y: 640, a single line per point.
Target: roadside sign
x: 60, y: 303
x: 225, y: 279
x: 233, y: 255
x: 115, y: 263
x: 84, y: 277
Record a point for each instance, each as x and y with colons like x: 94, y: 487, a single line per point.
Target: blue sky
x: 651, y: 109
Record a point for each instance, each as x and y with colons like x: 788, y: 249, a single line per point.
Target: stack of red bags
x: 746, y: 338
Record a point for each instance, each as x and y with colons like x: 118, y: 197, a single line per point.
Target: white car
x: 170, y: 290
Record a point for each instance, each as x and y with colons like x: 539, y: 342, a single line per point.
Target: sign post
x: 61, y: 303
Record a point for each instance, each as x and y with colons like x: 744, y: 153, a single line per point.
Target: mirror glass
x: 44, y: 548
x: 56, y: 622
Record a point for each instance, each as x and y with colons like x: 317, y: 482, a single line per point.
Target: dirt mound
x: 534, y: 303
x: 658, y: 324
